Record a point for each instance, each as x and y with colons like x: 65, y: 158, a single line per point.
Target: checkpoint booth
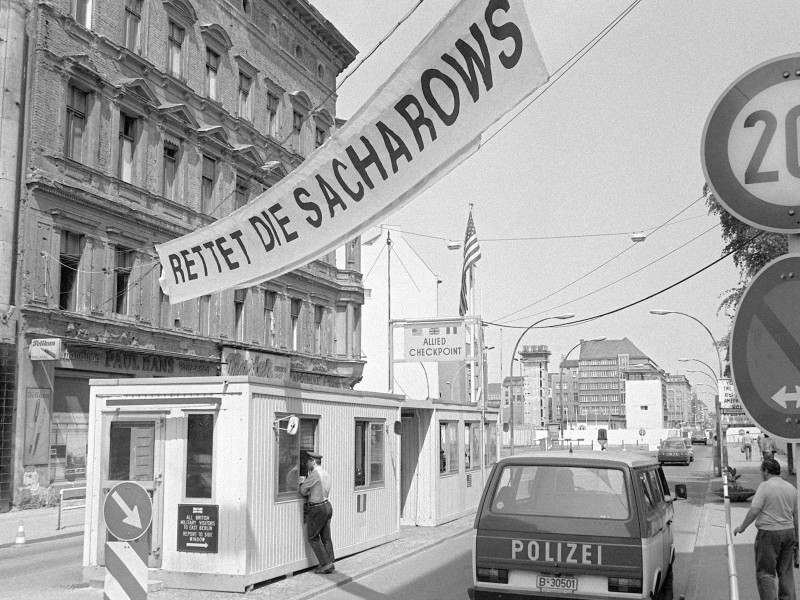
x: 220, y: 458
x: 445, y: 461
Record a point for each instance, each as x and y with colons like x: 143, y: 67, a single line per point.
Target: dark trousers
x: 318, y: 526
x: 775, y: 558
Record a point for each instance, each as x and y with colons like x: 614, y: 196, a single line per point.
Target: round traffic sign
x: 642, y: 432
x: 750, y: 152
x: 127, y: 511
x: 765, y: 348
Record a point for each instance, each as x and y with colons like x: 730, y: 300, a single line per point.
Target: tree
x: 749, y: 258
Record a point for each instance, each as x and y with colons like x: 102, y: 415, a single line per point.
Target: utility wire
x: 634, y: 303
x: 631, y: 274
x: 597, y: 268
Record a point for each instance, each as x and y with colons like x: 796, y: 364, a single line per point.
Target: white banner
x: 434, y: 342
x: 480, y: 61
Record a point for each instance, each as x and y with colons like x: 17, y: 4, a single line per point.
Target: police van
x: 580, y: 525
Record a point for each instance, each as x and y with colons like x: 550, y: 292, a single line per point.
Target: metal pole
x: 389, y: 308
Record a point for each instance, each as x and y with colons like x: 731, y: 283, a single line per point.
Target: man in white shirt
x: 317, y: 486
x: 774, y: 510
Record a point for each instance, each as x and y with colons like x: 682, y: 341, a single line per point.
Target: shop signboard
x: 198, y: 528
x: 38, y: 404
x: 45, y: 349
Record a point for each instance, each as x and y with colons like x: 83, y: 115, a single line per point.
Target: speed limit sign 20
x: 750, y: 150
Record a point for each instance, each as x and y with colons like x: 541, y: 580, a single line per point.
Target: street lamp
x: 702, y: 373
x: 708, y: 366
x: 561, y: 378
x: 716, y: 399
x: 511, y: 368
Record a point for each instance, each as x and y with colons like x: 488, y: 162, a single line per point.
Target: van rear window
x: 561, y: 491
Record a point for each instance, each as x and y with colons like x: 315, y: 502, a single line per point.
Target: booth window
x: 448, y: 447
x: 131, y: 450
x: 472, y: 445
x: 292, y: 454
x: 370, y: 437
x: 199, y: 455
x: 490, y: 435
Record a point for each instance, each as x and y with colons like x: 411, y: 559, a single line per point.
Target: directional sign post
x: 128, y: 512
x: 765, y: 348
x: 750, y: 146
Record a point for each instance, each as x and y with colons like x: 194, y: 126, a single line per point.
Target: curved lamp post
x: 713, y: 379
x: 561, y: 378
x: 511, y: 368
x: 708, y: 366
x: 717, y: 400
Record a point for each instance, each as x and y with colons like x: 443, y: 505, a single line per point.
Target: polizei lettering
x: 560, y: 552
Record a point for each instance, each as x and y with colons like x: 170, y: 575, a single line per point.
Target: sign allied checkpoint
x: 128, y: 512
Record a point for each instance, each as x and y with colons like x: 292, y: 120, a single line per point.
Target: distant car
x: 698, y: 436
x: 675, y: 450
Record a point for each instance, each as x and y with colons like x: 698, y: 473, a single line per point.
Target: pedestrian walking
x: 767, y: 446
x: 774, y: 510
x: 747, y: 446
x: 317, y: 486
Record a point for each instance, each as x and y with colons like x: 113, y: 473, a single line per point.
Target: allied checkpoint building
x: 220, y: 447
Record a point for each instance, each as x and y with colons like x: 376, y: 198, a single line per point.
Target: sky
x: 610, y: 147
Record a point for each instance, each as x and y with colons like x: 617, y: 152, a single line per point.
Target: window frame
x: 296, y: 311
x: 239, y: 314
x: 241, y: 191
x: 64, y: 257
x: 135, y: 18
x: 172, y: 44
x: 293, y: 494
x: 84, y: 20
x: 472, y: 442
x: 122, y: 273
x: 129, y: 126
x: 448, y: 448
x: 270, y: 336
x: 212, y: 92
x: 370, y: 424
x: 174, y: 187
x: 184, y: 491
x: 207, y: 193
x: 244, y: 96
x: 72, y: 114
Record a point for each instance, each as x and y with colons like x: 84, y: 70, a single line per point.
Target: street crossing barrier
x: 73, y: 498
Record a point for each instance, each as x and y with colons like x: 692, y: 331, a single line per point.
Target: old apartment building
x: 126, y: 124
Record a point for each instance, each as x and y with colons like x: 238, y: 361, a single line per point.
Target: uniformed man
x: 317, y: 487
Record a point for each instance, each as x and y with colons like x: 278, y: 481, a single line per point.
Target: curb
x: 697, y: 567
x: 370, y: 570
x: 31, y: 542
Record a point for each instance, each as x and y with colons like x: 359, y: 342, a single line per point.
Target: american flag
x: 472, y: 252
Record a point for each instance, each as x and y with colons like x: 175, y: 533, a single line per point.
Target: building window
x: 133, y: 19
x: 296, y: 307
x: 448, y: 448
x: 238, y: 314
x: 82, y: 12
x: 212, y: 66
x: 199, y: 455
x: 175, y: 50
x: 127, y: 147
x: 297, y: 127
x: 169, y: 184
x: 320, y: 72
x: 244, y: 96
x: 69, y: 260
x: 369, y: 453
x: 319, y: 314
x: 130, y: 450
x: 123, y: 264
x: 207, y: 184
x: 272, y: 114
x: 319, y: 136
x: 242, y: 191
x: 340, y: 343
x: 472, y: 445
x: 77, y: 104
x: 204, y: 314
x: 292, y: 456
x: 269, y: 318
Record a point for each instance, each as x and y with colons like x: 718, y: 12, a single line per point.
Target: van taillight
x: 622, y: 584
x: 492, y: 575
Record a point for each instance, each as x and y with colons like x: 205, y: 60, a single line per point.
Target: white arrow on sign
x: 203, y: 545
x: 131, y: 516
x: 782, y: 396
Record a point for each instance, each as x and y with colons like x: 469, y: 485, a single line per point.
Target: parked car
x: 675, y: 450
x: 698, y: 436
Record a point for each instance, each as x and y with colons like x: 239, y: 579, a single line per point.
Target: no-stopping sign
x: 750, y: 150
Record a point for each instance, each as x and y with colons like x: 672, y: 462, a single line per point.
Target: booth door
x: 133, y: 450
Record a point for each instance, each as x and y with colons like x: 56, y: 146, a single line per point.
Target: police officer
x: 317, y: 487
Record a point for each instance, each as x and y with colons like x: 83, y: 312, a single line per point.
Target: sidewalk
x: 39, y: 524
x: 708, y: 578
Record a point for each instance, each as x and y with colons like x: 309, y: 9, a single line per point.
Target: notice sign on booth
x: 198, y: 527
x: 728, y: 400
x: 433, y: 342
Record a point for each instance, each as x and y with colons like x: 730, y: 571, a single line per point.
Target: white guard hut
x: 219, y: 447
